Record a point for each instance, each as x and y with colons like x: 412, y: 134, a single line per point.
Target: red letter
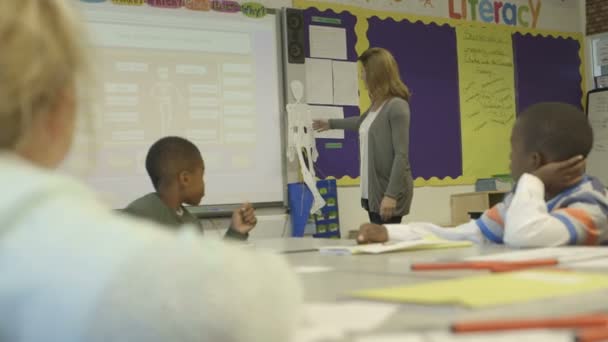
x: 497, y: 7
x: 453, y: 14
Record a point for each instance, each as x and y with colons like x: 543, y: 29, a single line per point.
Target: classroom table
x: 303, y: 252
x: 347, y: 273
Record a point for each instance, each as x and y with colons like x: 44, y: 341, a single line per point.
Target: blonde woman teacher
x: 386, y: 178
x: 73, y: 270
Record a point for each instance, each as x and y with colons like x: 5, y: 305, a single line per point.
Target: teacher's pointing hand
x: 320, y: 125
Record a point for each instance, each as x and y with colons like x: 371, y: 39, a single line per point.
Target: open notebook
x: 423, y: 242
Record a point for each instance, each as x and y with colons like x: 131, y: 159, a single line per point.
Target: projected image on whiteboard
x: 203, y: 76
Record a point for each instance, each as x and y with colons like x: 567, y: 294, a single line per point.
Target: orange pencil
x: 496, y: 266
x: 592, y: 335
x: 572, y: 322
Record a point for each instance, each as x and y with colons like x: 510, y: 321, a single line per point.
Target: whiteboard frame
x: 587, y: 98
x: 589, y: 93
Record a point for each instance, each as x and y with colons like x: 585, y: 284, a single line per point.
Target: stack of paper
x: 428, y: 242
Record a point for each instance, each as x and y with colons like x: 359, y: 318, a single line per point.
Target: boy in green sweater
x: 176, y: 169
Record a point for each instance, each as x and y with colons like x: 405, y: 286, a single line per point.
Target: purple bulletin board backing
x: 344, y: 161
x: 428, y: 64
x: 546, y: 69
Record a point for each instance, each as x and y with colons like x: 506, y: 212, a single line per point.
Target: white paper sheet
x: 346, y: 83
x: 319, y: 81
x: 332, y: 321
x: 327, y: 42
x: 388, y: 247
x: 594, y: 264
x: 565, y: 255
x: 328, y: 112
x: 312, y: 269
x: 351, y: 316
x: 532, y: 335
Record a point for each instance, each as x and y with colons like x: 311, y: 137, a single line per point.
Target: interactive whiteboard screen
x: 210, y: 77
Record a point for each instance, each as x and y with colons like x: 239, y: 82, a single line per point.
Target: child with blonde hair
x: 71, y: 269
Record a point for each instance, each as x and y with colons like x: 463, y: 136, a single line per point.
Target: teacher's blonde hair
x: 382, y: 75
x: 42, y: 55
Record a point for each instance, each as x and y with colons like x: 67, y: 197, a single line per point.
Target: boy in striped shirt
x: 554, y: 202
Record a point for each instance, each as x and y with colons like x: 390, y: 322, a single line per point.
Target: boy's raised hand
x: 244, y: 219
x: 558, y: 176
x: 372, y: 233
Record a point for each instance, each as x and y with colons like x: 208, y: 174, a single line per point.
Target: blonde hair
x: 42, y: 54
x: 382, y: 75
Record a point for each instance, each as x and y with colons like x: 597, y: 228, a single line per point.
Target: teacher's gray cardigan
x: 389, y: 172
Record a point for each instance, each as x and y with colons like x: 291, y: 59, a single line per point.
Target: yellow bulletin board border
x: 361, y: 27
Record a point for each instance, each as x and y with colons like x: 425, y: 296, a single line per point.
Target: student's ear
x: 537, y: 160
x: 184, y: 178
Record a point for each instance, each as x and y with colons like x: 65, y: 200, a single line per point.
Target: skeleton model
x: 165, y: 93
x: 302, y: 142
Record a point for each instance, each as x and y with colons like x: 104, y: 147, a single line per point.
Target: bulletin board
x: 468, y: 81
x: 338, y: 158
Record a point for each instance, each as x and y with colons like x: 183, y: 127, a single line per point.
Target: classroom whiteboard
x: 597, y: 111
x: 213, y: 78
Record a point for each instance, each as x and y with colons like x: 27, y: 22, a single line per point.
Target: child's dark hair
x: 169, y: 156
x: 558, y: 131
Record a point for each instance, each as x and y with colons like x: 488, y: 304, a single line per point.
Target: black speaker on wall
x: 294, y: 24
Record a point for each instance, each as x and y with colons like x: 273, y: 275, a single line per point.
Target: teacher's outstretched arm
x: 349, y: 124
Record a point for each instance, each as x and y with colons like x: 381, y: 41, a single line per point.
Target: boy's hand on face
x: 372, y: 233
x: 244, y: 219
x: 558, y: 176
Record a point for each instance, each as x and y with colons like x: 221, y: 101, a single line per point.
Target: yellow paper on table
x: 493, y: 289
